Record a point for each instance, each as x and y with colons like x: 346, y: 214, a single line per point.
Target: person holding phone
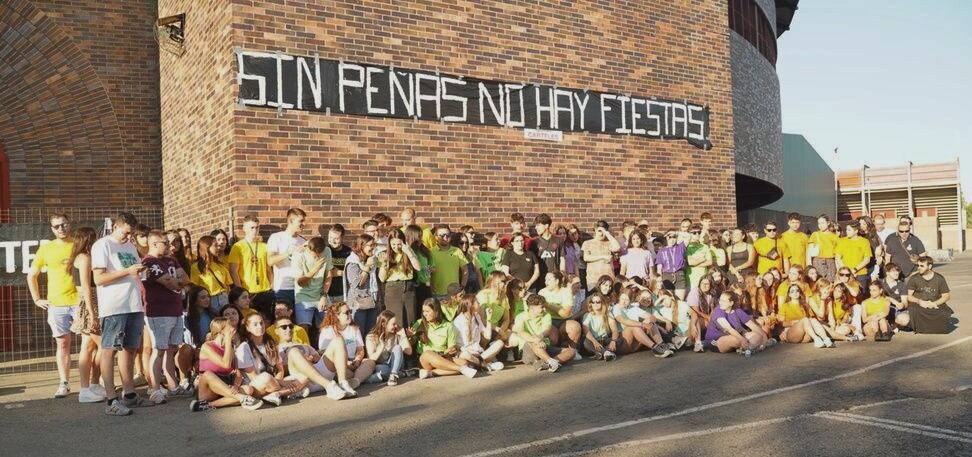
x: 116, y: 269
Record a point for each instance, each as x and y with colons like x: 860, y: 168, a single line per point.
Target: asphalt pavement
x: 911, y: 396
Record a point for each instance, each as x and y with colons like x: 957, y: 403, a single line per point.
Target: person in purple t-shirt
x: 730, y: 328
x: 671, y: 264
x: 163, y: 280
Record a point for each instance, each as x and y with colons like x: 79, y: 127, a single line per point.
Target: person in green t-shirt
x: 439, y: 343
x: 487, y: 257
x: 494, y: 306
x: 448, y: 262
x: 531, y: 332
x: 559, y: 295
x: 698, y: 256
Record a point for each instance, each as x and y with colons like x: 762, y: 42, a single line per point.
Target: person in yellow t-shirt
x: 793, y: 276
x: 281, y: 310
x: 769, y: 249
x: 408, y: 218
x: 820, y: 249
x: 794, y: 315
x: 854, y: 252
x: 795, y: 241
x: 210, y: 273
x: 249, y: 267
x: 876, y: 310
x: 61, y: 302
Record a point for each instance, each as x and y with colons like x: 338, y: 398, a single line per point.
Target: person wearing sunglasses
x: 282, y: 310
x: 904, y: 249
x: 854, y: 252
x: 820, y: 249
x: 698, y: 256
x: 163, y: 283
x: 448, y: 263
x: 928, y: 295
x: 62, y: 299
x: 311, y: 368
x: 771, y: 253
x: 671, y: 264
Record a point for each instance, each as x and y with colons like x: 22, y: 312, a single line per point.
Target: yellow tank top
x: 791, y: 311
x: 874, y: 306
x: 839, y: 312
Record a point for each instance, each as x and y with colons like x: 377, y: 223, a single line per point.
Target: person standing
x: 904, y: 249
x: 742, y: 256
x: 821, y: 247
x: 338, y: 253
x: 87, y: 323
x: 795, y: 242
x: 396, y: 268
x: 698, y: 256
x: 250, y: 268
x: 881, y: 228
x: 361, y: 289
x: 116, y: 269
x: 521, y: 264
x: 671, y: 264
x: 599, y: 254
x: 854, y: 252
x: 548, y: 248
x: 210, y: 272
x: 928, y: 295
x: 517, y: 225
x: 61, y: 302
x: 448, y: 263
x: 163, y: 283
x: 771, y: 252
x: 281, y: 247
x: 312, y: 269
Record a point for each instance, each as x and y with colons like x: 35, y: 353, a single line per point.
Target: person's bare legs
x: 107, y: 362
x: 756, y: 339
x: 439, y: 365
x: 795, y: 333
x: 566, y: 355
x: 727, y: 343
x: 63, y: 356
x: 185, y: 356
x: 213, y: 390
x: 335, y: 359
x: 86, y: 361
x: 297, y: 364
x: 572, y: 330
x: 126, y: 366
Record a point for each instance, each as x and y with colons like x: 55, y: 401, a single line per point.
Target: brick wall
x: 79, y: 102
x: 344, y: 168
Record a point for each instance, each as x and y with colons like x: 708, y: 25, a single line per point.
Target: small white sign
x: 546, y: 135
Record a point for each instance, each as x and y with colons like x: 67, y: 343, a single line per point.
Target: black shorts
x: 674, y: 281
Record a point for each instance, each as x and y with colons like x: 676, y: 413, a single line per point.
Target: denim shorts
x: 306, y: 313
x: 165, y: 331
x: 122, y: 331
x: 60, y: 318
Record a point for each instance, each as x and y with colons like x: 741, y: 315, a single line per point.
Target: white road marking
x: 710, y: 431
x: 906, y: 427
x: 13, y: 405
x: 902, y: 424
x: 732, y: 401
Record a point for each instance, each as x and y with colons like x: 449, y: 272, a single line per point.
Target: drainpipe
x: 911, y: 199
x: 864, y: 211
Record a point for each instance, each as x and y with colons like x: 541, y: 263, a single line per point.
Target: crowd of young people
x: 256, y: 322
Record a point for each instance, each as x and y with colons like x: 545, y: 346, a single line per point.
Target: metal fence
x: 26, y: 344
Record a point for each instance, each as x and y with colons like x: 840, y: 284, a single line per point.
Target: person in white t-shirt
x: 116, y: 269
x: 281, y: 247
x: 338, y: 324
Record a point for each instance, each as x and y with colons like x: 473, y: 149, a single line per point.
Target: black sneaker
x: 661, y: 351
x: 200, y: 405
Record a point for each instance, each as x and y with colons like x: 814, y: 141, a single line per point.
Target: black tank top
x: 738, y: 258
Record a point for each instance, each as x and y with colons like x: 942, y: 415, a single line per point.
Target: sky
x: 884, y: 81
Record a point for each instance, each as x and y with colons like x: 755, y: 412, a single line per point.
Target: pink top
x: 208, y: 365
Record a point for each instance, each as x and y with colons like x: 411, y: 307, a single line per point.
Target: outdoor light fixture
x: 170, y: 33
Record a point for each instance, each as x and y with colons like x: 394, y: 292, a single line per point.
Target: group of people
x: 253, y: 322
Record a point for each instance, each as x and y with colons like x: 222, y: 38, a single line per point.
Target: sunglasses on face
x: 904, y: 231
x: 286, y: 326
x: 596, y: 302
x: 844, y: 275
x: 60, y: 226
x: 442, y: 235
x: 771, y: 229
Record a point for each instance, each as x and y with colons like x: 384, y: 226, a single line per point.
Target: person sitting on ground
x: 844, y: 314
x: 339, y: 325
x: 798, y: 327
x: 732, y: 329
x: 197, y: 314
x: 495, y: 306
x: 439, y: 344
x: 220, y: 384
x: 387, y: 345
x: 673, y: 318
x: 516, y: 294
x: 875, y: 314
x: 896, y: 289
x: 928, y: 295
x: 531, y: 333
x: 235, y: 317
x: 258, y: 359
x: 242, y: 300
x: 559, y: 296
x: 313, y: 369
x: 701, y: 301
x: 638, y: 327
x: 471, y: 332
x: 600, y: 329
x: 854, y: 290
x: 281, y: 310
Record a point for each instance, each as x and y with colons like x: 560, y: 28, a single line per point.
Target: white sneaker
x: 577, y: 356
x: 818, y: 343
x: 273, y: 398
x: 89, y: 396
x: 98, y: 389
x: 63, y: 389
x: 334, y: 391
x: 699, y: 347
x: 468, y: 371
x: 495, y: 366
x: 348, y: 389
x: 116, y: 408
x: 491, y: 351
x: 157, y: 397
x: 424, y: 374
x: 609, y: 356
x: 553, y: 365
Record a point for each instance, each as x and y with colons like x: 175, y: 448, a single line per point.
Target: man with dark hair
x: 116, y: 270
x: 904, y: 249
x: 928, y: 295
x: 140, y: 235
x: 448, y: 263
x: 854, y: 252
x: 61, y: 302
x: 250, y: 267
x: 599, y: 252
x: 795, y: 242
x: 706, y: 220
x: 769, y: 250
x: 517, y: 225
x: 548, y: 248
x: 338, y: 252
x: 281, y: 248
